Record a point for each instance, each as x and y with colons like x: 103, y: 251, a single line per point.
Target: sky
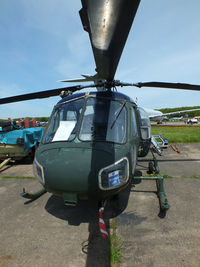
x: 42, y: 42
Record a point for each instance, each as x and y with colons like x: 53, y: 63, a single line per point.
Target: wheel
x: 151, y: 168
x: 144, y: 148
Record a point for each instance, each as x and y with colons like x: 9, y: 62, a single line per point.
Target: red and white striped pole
x: 102, y: 225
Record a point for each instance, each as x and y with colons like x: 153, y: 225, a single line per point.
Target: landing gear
x: 154, y: 174
x: 33, y: 196
x: 151, y: 168
x: 164, y: 205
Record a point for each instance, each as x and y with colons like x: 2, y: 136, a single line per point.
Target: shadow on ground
x: 96, y: 247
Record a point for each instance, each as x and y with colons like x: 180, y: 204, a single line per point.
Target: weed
x: 192, y: 176
x: 115, y: 245
x: 166, y: 176
x: 18, y: 177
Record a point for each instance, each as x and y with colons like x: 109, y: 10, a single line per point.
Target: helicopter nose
x: 72, y: 172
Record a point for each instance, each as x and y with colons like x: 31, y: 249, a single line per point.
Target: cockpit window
x: 104, y: 120
x: 64, y: 121
x: 144, y: 117
x: 145, y: 124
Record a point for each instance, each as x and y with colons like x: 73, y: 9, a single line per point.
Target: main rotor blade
x: 42, y: 94
x: 183, y: 86
x: 108, y: 23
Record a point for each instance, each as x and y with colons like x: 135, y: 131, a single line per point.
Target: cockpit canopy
x: 88, y: 118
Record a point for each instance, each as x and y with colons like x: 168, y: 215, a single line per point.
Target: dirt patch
x: 5, y: 259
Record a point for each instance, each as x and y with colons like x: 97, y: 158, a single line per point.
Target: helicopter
x: 93, y: 140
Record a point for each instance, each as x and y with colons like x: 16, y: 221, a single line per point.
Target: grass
x: 178, y: 134
x: 192, y: 176
x: 18, y: 177
x: 115, y: 245
x: 166, y: 176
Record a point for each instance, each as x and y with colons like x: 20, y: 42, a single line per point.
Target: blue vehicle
x: 17, y: 142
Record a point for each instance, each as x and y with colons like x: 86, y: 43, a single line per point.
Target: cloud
x: 50, y: 15
x: 10, y: 90
x: 43, y: 41
x: 78, y: 57
x: 31, y: 108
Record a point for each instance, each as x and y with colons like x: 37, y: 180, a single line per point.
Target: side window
x: 133, y: 122
x: 145, y: 125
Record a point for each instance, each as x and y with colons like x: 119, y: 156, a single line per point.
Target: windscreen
x: 64, y: 122
x: 104, y: 120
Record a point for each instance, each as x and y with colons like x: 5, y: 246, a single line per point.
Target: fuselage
x: 90, y: 146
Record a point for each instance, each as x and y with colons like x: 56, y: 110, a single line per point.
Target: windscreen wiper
x: 117, y: 115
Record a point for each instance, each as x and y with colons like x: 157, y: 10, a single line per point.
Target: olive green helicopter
x: 93, y: 140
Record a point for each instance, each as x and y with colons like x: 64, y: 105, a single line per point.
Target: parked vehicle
x: 192, y: 121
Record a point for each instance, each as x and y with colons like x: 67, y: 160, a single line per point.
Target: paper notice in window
x: 64, y: 130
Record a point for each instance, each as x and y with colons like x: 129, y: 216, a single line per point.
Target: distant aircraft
x: 158, y: 116
x: 177, y: 118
